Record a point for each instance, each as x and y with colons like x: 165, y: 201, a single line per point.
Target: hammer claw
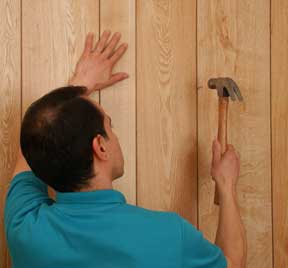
x: 225, y: 87
x: 231, y: 92
x: 236, y: 90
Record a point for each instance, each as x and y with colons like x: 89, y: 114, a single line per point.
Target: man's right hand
x: 225, y: 169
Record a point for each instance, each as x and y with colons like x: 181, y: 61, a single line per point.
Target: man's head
x: 67, y: 140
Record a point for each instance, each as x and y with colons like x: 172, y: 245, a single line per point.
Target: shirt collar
x: 91, y: 197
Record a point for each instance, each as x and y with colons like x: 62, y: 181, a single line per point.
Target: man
x: 68, y: 143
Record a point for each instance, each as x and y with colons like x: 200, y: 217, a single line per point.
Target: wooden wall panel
x: 119, y: 100
x: 279, y: 80
x: 10, y: 105
x: 233, y: 40
x: 53, y: 39
x: 166, y: 106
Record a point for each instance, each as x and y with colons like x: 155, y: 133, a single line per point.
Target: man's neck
x: 99, y: 183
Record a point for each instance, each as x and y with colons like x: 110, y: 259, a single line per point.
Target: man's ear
x: 99, y: 148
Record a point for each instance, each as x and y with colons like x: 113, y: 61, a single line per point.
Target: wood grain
x: 119, y: 100
x: 155, y: 113
x: 10, y: 106
x: 166, y: 106
x: 233, y: 41
x: 53, y: 39
x: 279, y: 80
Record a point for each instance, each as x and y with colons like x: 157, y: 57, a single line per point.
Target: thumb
x: 116, y: 78
x: 216, y: 150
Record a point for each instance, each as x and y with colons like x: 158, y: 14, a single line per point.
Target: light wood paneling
x: 233, y: 40
x: 119, y: 101
x: 166, y: 106
x: 53, y: 39
x: 279, y: 81
x: 160, y: 147
x: 10, y: 105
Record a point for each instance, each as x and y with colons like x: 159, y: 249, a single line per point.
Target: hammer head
x: 226, y: 87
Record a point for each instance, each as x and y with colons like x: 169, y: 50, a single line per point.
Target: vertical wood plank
x: 119, y: 100
x: 166, y: 106
x: 10, y: 105
x: 53, y: 39
x: 234, y: 41
x: 279, y: 66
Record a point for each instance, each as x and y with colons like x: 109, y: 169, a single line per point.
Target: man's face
x: 113, y: 147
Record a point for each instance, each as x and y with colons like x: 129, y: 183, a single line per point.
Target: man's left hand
x: 94, y: 68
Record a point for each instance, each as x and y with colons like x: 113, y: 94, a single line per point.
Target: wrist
x: 229, y: 195
x: 75, y: 81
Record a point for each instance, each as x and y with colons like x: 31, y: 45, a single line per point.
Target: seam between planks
x: 271, y: 131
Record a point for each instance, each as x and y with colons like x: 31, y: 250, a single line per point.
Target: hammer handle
x: 222, y: 132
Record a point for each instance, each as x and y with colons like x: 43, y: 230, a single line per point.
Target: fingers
x: 111, y: 45
x: 238, y: 155
x: 216, y: 152
x: 102, y: 47
x: 230, y: 147
x: 102, y: 42
x: 232, y: 151
x: 118, y: 53
x: 88, y: 44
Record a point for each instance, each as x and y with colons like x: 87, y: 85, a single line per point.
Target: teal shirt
x: 97, y: 229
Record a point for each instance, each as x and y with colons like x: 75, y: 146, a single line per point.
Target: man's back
x: 97, y: 229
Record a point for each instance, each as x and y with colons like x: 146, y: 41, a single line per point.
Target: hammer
x: 226, y: 88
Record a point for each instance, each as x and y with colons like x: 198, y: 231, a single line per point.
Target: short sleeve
x: 26, y: 193
x: 198, y: 252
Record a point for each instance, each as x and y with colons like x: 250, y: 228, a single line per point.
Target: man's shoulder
x: 150, y: 211
x: 155, y: 216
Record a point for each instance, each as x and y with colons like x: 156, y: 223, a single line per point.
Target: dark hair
x: 56, y: 138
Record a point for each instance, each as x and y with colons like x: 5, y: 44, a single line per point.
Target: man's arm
x: 93, y: 70
x: 230, y: 237
x: 231, y: 233
x: 26, y: 193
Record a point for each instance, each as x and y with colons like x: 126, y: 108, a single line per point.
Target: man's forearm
x: 231, y: 236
